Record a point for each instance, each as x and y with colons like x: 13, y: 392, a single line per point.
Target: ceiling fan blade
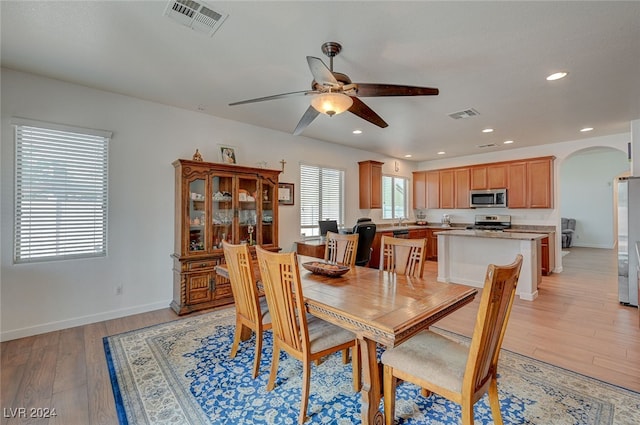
x: 321, y: 74
x: 363, y: 111
x: 376, y: 90
x: 306, y: 119
x: 276, y: 96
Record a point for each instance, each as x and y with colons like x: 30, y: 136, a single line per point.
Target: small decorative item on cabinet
x: 197, y: 156
x: 228, y: 154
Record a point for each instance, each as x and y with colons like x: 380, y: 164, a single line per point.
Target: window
x: 394, y: 197
x: 60, y: 191
x: 321, y: 197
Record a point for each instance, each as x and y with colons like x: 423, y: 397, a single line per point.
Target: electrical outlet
x: 119, y: 290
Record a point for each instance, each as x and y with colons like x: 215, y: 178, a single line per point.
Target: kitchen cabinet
x: 370, y: 173
x: 419, y: 190
x: 454, y: 188
x: 517, y: 185
x: 489, y: 176
x: 374, y: 262
x: 426, y: 189
x: 540, y: 183
x: 433, y: 189
x: 547, y: 249
x: 447, y: 189
x: 216, y: 202
x: 432, y: 245
x: 548, y: 260
x: 462, y: 187
x: 530, y: 183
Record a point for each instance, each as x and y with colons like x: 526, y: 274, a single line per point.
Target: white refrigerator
x: 628, y: 236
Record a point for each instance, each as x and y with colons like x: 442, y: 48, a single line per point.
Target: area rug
x: 180, y: 373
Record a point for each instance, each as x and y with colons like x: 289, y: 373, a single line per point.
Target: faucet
x: 400, y: 220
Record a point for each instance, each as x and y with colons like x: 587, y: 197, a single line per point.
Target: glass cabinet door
x: 268, y: 200
x: 222, y: 210
x: 248, y: 198
x: 197, y: 216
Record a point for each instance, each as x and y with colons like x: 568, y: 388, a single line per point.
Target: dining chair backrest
x: 281, y: 280
x: 341, y: 249
x: 497, y: 298
x: 402, y: 256
x: 250, y: 312
x: 305, y: 338
x: 471, y: 370
x: 243, y: 284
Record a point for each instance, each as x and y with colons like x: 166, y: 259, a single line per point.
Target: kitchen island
x: 463, y: 257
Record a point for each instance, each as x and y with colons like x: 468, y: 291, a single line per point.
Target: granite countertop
x: 494, y: 235
x: 413, y: 226
x: 462, y: 226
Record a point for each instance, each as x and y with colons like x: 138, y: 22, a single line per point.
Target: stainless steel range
x: 491, y: 222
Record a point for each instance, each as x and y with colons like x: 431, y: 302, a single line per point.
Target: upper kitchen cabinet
x: 447, y: 189
x: 530, y: 183
x: 462, y: 182
x: 370, y: 184
x: 540, y: 182
x: 426, y: 189
x: 433, y: 189
x: 419, y: 190
x: 489, y: 176
x: 454, y: 188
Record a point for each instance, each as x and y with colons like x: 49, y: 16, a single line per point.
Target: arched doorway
x: 588, y: 194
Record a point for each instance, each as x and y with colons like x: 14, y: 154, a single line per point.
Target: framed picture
x: 228, y: 154
x: 285, y: 193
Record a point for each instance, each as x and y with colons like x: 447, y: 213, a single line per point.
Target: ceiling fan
x: 334, y: 92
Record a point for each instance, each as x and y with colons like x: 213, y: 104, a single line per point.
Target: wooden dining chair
x: 402, y: 256
x: 341, y: 249
x: 460, y: 373
x: 252, y: 312
x: 303, y: 336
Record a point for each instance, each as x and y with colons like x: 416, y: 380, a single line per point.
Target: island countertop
x: 493, y: 234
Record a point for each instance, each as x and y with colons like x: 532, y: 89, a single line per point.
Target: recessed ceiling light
x: 408, y: 155
x: 508, y: 142
x: 584, y: 130
x: 441, y: 153
x: 488, y: 130
x: 557, y: 76
x: 357, y: 131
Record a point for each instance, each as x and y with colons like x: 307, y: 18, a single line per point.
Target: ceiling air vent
x: 195, y: 15
x: 488, y: 145
x: 467, y: 113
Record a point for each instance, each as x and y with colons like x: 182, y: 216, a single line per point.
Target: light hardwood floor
x: 575, y: 323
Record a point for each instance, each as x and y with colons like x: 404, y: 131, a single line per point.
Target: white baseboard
x: 80, y: 321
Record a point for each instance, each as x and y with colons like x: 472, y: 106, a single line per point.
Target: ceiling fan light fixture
x: 331, y: 103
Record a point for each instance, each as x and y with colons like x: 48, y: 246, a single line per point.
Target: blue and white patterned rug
x: 180, y: 373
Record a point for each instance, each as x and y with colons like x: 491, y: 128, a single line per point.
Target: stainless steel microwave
x: 490, y: 198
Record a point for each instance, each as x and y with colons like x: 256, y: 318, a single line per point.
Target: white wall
x: 147, y: 138
x: 588, y: 194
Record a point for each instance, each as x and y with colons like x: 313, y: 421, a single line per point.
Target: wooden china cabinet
x: 216, y: 202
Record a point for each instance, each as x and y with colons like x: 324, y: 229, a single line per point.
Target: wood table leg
x: 371, y: 385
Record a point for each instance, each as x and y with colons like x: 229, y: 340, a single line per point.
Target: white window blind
x: 321, y: 197
x: 61, y: 177
x: 394, y: 197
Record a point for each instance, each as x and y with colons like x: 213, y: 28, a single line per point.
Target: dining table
x: 380, y: 308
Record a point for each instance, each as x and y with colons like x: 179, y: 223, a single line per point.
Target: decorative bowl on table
x: 325, y: 269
